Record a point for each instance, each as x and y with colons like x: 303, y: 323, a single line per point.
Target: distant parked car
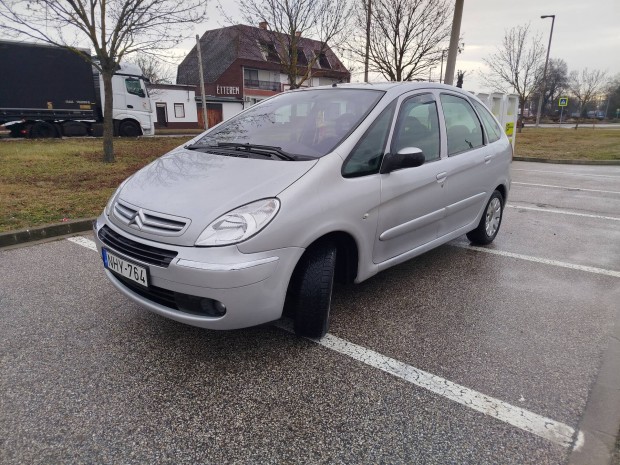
x: 303, y: 188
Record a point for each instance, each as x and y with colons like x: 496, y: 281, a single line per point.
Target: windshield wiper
x: 260, y: 149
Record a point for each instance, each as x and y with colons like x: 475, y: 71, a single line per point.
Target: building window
x: 179, y: 110
x: 323, y: 61
x: 251, y: 74
x: 269, y: 51
x: 302, y: 60
x: 251, y: 80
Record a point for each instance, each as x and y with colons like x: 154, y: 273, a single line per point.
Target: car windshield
x: 310, y: 123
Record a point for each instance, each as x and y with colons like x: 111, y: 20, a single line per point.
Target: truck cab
x: 133, y: 115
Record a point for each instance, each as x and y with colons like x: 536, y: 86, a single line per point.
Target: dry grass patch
x: 46, y: 181
x: 584, y: 143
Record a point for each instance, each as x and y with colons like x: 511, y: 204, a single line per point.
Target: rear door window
x: 463, y: 127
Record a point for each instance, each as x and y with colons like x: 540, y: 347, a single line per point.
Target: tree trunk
x: 108, y: 121
x: 521, y: 116
x: 579, y: 117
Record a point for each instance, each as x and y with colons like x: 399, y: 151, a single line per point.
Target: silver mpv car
x: 265, y: 210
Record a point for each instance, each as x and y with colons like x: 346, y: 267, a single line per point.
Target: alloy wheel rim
x: 493, y: 216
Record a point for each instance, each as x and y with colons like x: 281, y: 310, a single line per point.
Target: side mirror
x: 408, y: 157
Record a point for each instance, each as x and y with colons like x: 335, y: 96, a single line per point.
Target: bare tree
x: 514, y: 66
x: 287, y: 23
x: 556, y: 83
x: 406, y: 36
x: 613, y: 98
x: 113, y: 28
x: 585, y: 86
x: 153, y: 69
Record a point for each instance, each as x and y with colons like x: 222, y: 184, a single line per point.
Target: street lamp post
x: 544, y: 82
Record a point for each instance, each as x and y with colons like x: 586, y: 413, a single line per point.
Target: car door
x: 412, y: 199
x: 466, y: 186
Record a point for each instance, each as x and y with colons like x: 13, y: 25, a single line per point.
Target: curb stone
x: 45, y: 232
x: 567, y: 162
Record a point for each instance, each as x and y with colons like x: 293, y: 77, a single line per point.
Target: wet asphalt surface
x: 88, y: 377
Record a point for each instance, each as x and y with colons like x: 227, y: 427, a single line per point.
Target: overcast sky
x: 586, y: 32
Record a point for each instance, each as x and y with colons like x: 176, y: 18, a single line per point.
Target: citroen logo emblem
x: 138, y: 219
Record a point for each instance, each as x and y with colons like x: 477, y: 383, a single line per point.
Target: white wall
x: 172, y: 96
x: 230, y: 109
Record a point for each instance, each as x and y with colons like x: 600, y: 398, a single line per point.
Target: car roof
x: 397, y: 87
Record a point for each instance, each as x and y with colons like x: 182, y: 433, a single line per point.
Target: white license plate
x: 129, y: 270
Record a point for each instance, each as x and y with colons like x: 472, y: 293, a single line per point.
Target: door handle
x: 488, y: 158
x: 441, y: 177
x: 129, y: 106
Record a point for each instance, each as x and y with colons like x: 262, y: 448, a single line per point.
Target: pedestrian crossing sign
x: 563, y: 102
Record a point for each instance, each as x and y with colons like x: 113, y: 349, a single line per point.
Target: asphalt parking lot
x: 489, y: 355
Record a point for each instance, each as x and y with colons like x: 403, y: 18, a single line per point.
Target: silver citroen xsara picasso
x: 265, y: 210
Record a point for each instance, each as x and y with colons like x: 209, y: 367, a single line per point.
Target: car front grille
x: 149, y: 221
x: 136, y: 250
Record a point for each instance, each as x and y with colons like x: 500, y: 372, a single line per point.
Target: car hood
x: 194, y: 188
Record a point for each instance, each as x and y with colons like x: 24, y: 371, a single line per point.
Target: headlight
x: 108, y: 206
x: 240, y: 223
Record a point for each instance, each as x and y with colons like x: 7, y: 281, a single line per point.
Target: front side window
x: 463, y: 127
x: 133, y: 87
x: 309, y: 123
x: 418, y: 126
x: 490, y: 125
x: 366, y: 157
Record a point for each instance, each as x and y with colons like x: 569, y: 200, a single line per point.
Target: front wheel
x: 312, y: 290
x: 129, y: 129
x: 490, y: 222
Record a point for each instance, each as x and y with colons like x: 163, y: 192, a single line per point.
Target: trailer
x: 48, y: 91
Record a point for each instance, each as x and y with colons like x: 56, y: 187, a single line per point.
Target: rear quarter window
x: 494, y: 133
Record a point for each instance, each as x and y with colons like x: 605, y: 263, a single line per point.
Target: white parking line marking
x: 79, y: 240
x: 546, y: 428
x: 549, y: 429
x: 545, y: 261
x: 567, y: 173
x: 564, y: 212
x: 564, y: 187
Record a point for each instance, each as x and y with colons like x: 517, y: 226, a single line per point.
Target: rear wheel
x: 311, y: 290
x: 490, y: 222
x: 129, y: 129
x: 42, y: 130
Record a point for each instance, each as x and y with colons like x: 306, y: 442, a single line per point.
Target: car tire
x: 490, y: 222
x: 42, y: 130
x: 312, y: 286
x: 129, y: 129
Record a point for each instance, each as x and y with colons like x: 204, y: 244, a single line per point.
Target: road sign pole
x: 561, y: 113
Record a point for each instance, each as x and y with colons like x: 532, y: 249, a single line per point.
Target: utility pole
x: 454, y: 42
x: 202, y: 84
x: 367, y: 57
x: 544, y: 83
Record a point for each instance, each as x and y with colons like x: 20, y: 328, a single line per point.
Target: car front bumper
x: 251, y: 286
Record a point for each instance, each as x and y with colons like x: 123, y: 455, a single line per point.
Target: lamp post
x: 544, y: 82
